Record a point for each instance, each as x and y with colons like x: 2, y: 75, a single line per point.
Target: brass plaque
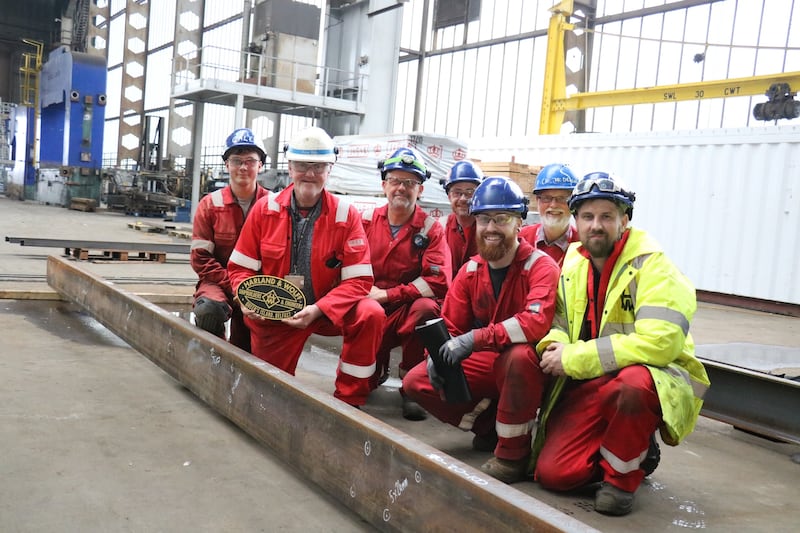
x: 271, y: 297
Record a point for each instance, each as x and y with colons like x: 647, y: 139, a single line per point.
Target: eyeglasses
x: 396, y: 182
x: 237, y: 162
x: 461, y: 194
x: 547, y: 199
x: 500, y: 219
x: 317, y: 168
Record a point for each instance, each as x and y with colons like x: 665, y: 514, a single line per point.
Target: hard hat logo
x: 555, y: 176
x: 311, y: 145
x: 243, y: 138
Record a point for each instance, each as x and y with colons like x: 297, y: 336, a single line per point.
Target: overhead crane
x: 555, y: 102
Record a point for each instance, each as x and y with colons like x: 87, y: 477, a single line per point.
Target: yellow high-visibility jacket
x: 649, y: 305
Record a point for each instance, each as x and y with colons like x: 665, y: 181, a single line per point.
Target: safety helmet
x: 602, y: 186
x: 555, y: 176
x: 243, y: 138
x: 407, y: 160
x: 498, y: 193
x: 462, y: 172
x: 311, y: 145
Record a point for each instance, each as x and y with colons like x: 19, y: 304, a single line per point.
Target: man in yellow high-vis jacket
x: 621, y: 351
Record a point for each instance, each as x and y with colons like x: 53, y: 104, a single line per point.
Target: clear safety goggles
x: 602, y: 184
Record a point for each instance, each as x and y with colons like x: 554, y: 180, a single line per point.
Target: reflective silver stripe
x: 357, y: 371
x: 248, y: 262
x: 366, y: 214
x: 532, y: 259
x: 665, y: 314
x: 514, y: 330
x: 472, y: 266
x: 216, y: 198
x: 605, y: 351
x: 509, y: 431
x: 356, y: 271
x: 639, y: 260
x: 698, y: 389
x: 625, y: 328
x: 199, y: 244
x: 623, y: 467
x: 468, y: 420
x: 342, y: 211
x: 273, y: 204
x: 423, y: 287
x: 637, y: 263
x: 427, y: 225
x: 560, y: 323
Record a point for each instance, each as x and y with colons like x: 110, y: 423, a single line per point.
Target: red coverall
x: 264, y: 247
x: 503, y: 372
x: 556, y: 249
x: 461, y: 242
x: 217, y: 224
x: 416, y: 279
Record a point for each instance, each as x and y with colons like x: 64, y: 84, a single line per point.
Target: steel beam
x: 101, y: 245
x: 392, y: 480
x: 754, y: 401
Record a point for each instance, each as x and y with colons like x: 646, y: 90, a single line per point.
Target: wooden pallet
x: 83, y: 204
x: 83, y: 254
x: 524, y: 175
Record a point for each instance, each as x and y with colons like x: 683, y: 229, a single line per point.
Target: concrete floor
x: 97, y: 438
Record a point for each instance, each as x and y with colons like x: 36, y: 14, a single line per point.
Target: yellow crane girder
x: 555, y: 102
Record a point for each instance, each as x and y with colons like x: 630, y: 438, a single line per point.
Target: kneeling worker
x: 499, y: 305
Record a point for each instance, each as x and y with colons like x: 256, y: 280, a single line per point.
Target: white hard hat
x: 311, y: 144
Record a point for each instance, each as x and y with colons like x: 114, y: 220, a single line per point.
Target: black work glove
x: 458, y: 348
x: 437, y: 382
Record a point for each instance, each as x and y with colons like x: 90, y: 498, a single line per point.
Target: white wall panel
x: 724, y: 203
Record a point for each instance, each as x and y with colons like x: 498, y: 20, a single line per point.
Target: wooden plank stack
x: 524, y: 175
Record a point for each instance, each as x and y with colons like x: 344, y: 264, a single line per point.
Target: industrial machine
x: 145, y: 193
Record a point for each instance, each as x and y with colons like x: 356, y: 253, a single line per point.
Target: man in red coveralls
x: 217, y: 223
x: 411, y: 263
x: 312, y: 238
x: 500, y: 304
x: 459, y: 229
x: 552, y: 235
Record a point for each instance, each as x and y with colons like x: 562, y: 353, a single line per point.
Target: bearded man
x: 554, y: 233
x: 500, y: 303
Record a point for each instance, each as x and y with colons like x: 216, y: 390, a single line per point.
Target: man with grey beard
x: 500, y: 303
x: 552, y: 235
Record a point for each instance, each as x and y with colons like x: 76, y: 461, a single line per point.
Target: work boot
x: 485, y: 443
x: 613, y: 501
x: 412, y: 410
x: 507, y: 470
x: 652, y: 458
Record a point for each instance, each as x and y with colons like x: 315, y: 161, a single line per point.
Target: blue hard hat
x: 243, y: 138
x: 407, y: 160
x: 462, y: 172
x: 555, y: 176
x: 602, y: 186
x: 498, y: 193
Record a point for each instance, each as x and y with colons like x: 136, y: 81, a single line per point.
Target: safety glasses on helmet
x: 602, y: 184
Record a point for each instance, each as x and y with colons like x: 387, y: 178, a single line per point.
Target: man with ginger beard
x: 500, y: 304
x: 554, y: 233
